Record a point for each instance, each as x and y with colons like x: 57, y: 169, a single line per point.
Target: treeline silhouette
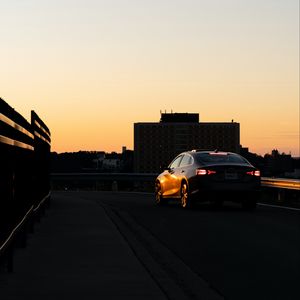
x: 274, y: 164
x: 91, y: 161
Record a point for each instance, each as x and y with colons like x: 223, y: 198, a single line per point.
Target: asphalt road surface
x: 239, y: 254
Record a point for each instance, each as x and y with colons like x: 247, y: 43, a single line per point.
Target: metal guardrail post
x: 114, y: 186
x: 281, y: 195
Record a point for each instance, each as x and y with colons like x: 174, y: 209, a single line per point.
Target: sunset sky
x: 92, y: 68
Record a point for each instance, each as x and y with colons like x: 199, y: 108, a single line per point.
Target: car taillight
x: 254, y: 173
x: 205, y: 172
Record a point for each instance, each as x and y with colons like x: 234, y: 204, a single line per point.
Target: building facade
x: 156, y: 144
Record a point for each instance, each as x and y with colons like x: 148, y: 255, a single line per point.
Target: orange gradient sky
x: 91, y: 69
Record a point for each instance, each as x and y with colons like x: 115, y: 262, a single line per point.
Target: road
x: 239, y: 254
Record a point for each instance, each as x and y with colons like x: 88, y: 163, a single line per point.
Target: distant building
x: 155, y: 144
x: 118, y: 162
x: 126, y: 160
x: 112, y: 162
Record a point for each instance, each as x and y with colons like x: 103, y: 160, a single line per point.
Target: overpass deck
x: 119, y: 245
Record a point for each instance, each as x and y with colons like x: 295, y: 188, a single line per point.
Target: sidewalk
x: 76, y: 252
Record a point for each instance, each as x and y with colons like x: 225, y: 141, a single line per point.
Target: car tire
x: 185, y: 200
x: 159, y: 200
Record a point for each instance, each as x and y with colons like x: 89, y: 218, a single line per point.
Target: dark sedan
x: 212, y: 176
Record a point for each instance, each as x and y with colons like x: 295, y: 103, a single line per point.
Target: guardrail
x: 281, y: 183
x: 282, y: 190
x: 24, y: 172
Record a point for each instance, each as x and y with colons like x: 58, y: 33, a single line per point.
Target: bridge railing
x: 24, y: 172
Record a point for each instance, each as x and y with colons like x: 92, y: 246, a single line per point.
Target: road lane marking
x: 278, y: 206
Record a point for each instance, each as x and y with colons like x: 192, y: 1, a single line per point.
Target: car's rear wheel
x: 159, y: 200
x: 185, y: 200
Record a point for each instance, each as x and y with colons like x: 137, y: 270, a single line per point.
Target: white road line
x: 278, y: 206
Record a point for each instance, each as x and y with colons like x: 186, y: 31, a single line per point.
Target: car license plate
x: 231, y: 176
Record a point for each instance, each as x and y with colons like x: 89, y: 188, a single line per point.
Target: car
x: 209, y: 176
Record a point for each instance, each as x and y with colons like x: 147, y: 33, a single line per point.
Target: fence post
x: 114, y: 186
x: 280, y: 195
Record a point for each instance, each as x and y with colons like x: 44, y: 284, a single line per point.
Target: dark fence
x: 134, y: 182
x: 24, y: 172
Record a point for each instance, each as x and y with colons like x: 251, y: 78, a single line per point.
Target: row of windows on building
x: 156, y: 144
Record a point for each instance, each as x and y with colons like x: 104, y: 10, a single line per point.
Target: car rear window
x: 220, y: 158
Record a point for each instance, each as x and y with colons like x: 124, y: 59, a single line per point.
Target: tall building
x: 156, y: 144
